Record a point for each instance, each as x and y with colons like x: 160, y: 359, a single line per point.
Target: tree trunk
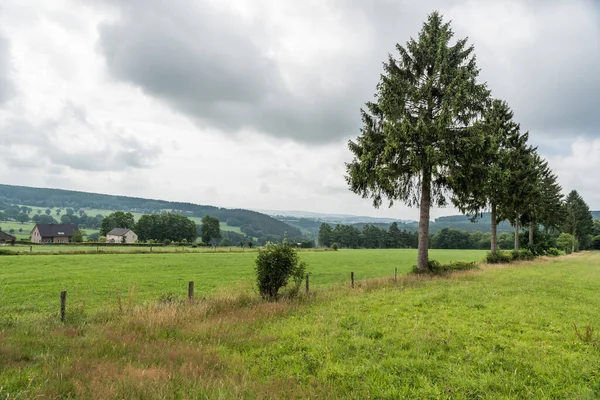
x: 494, y: 230
x: 425, y: 207
x: 531, y: 233
x: 517, y: 233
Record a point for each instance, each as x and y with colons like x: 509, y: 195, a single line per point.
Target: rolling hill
x: 248, y: 222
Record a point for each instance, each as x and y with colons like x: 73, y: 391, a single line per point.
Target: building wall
x: 113, y: 239
x: 131, y: 237
x: 35, y: 236
x: 61, y: 239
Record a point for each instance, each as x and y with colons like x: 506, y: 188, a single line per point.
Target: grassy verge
x: 499, y: 332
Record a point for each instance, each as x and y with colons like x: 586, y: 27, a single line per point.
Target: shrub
x: 7, y: 252
x: 334, y: 246
x: 167, y: 242
x: 499, y: 257
x: 596, y: 242
x: 553, y: 252
x: 276, y: 264
x: 526, y: 254
x: 514, y: 255
x: 566, y: 242
x: 435, y: 267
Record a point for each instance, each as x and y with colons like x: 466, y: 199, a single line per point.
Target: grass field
x: 31, y: 284
x: 500, y: 332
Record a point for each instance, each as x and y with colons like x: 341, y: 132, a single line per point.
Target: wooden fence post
x: 306, y: 283
x: 395, y: 274
x: 63, y: 305
x: 191, y: 291
x: 352, y: 278
x: 30, y: 249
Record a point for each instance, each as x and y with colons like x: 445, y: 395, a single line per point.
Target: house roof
x: 6, y: 237
x: 56, y: 229
x: 118, y: 232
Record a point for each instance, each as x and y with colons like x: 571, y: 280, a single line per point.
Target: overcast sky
x: 250, y: 103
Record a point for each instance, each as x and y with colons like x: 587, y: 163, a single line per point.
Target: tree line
x: 434, y: 135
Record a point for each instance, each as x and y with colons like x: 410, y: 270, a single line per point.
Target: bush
x: 499, y: 257
x: 553, y: 252
x: 525, y: 254
x: 566, y: 242
x: 435, y: 267
x: 596, y: 242
x: 7, y: 252
x: 334, y: 246
x: 276, y: 264
x: 514, y: 255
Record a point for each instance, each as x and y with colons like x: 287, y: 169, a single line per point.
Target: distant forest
x: 460, y: 222
x: 251, y: 223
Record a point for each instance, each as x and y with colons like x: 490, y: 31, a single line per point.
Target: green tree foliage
x: 426, y: 103
x: 48, y: 211
x: 118, y: 219
x: 596, y: 242
x: 485, y: 185
x: 325, y: 235
x: 276, y: 265
x: 578, y: 219
x: 78, y: 236
x: 522, y: 178
x: 44, y: 219
x: 65, y: 219
x: 163, y: 227
x: 22, y: 218
x: 566, y: 242
x: 546, y: 207
x: 210, y: 229
x: 596, y: 228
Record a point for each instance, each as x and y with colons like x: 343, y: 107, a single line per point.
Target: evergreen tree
x: 485, y: 185
x: 546, y: 207
x: 578, y: 219
x: 427, y: 101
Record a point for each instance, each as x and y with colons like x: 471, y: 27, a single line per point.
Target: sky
x: 251, y: 103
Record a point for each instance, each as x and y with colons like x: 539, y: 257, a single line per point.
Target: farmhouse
x: 53, y: 233
x: 121, y: 235
x: 5, y: 238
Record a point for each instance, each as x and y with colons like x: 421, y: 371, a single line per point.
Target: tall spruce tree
x: 521, y: 179
x: 426, y: 103
x: 546, y: 205
x: 578, y: 220
x: 485, y: 185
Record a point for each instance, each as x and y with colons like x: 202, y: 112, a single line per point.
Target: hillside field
x: 32, y: 283
x: 521, y: 331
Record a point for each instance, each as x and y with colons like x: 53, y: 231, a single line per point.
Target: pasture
x: 518, y: 331
x: 31, y: 283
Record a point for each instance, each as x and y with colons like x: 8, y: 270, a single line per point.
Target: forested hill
x: 251, y: 223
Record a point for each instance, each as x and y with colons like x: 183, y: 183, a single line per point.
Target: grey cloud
x: 205, y: 64
x: 213, y: 67
x: 6, y: 85
x: 23, y: 144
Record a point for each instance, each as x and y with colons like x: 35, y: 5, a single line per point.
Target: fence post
x: 150, y: 249
x: 63, y: 305
x: 352, y: 278
x: 30, y: 249
x: 306, y: 283
x: 191, y: 291
x: 395, y: 274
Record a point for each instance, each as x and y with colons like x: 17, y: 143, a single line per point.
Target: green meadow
x: 528, y: 330
x: 32, y: 283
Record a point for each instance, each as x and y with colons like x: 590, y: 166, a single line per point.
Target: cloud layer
x: 248, y: 103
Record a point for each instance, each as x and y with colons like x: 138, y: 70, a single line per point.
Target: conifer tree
x: 426, y: 103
